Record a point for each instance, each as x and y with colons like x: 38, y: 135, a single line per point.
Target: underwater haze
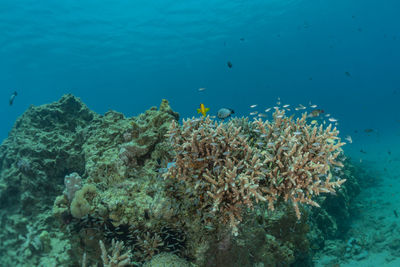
x: 128, y: 55
x: 340, y: 58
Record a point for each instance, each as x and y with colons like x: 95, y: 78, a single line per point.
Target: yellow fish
x: 203, y: 110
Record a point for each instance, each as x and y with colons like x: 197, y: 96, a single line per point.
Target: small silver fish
x: 202, y: 89
x: 300, y: 107
x: 268, y: 109
x: 253, y: 106
x: 332, y: 120
x: 253, y: 113
x: 348, y: 138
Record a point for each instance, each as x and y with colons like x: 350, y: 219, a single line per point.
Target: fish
x: 253, y: 106
x: 300, y: 107
x: 262, y: 115
x: 313, y: 121
x: 12, y: 97
x: 285, y: 106
x: 347, y: 74
x: 203, y: 110
x: 332, y: 119
x: 171, y: 164
x: 268, y: 109
x: 315, y: 113
x: 202, y: 89
x: 348, y: 138
x: 368, y: 130
x: 313, y: 106
x: 224, y: 113
x: 253, y: 113
x: 229, y: 64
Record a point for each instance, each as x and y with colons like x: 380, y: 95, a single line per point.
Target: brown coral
x: 115, y: 259
x: 216, y: 161
x: 149, y: 245
x: 298, y: 157
x: 292, y: 162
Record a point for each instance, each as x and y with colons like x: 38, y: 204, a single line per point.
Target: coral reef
x: 218, y: 165
x: 299, y: 157
x: 115, y: 259
x: 216, y: 162
x: 73, y: 182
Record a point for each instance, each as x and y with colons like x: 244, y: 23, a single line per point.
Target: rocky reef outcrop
x: 80, y: 188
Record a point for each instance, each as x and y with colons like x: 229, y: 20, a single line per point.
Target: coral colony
x: 291, y: 161
x: 149, y: 190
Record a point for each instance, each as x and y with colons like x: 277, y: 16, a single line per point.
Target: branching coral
x: 298, y: 158
x: 291, y: 161
x: 216, y: 161
x: 149, y: 245
x: 115, y: 259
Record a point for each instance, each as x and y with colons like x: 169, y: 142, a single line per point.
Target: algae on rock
x: 121, y: 196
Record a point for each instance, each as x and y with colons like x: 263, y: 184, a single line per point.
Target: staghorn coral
x: 292, y: 162
x: 115, y: 259
x: 215, y: 160
x: 149, y: 245
x: 298, y: 158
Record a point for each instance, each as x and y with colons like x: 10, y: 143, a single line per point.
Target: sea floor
x: 374, y: 237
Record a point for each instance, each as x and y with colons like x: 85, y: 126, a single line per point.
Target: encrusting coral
x: 291, y: 161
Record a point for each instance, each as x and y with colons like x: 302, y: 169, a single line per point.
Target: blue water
x: 128, y: 55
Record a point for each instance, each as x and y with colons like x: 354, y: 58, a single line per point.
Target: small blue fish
x: 171, y: 164
x: 224, y: 113
x: 12, y: 97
